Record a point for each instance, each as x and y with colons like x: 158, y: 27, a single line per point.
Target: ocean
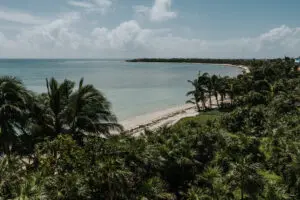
x: 133, y: 88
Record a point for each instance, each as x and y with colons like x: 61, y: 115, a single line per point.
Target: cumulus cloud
x: 55, y: 33
x: 160, y: 11
x: 20, y: 17
x: 92, y: 5
x: 63, y: 38
x: 81, y: 4
x: 163, y: 43
x: 119, y: 37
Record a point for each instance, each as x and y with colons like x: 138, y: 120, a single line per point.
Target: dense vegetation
x: 246, y: 62
x: 57, y: 145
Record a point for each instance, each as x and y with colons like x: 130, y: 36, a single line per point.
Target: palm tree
x: 222, y: 88
x: 209, y: 87
x: 58, y: 96
x: 244, y: 174
x: 64, y: 110
x: 200, y: 91
x: 212, y: 177
x: 232, y: 89
x: 195, y: 93
x: 13, y: 111
x: 215, y: 82
x: 88, y: 111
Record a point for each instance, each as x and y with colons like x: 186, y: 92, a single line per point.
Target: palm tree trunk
x: 57, y: 126
x: 217, y: 99
x: 210, y: 102
x: 203, y: 104
x: 198, y: 107
x: 222, y: 99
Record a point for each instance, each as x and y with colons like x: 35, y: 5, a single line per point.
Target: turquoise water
x: 133, y: 88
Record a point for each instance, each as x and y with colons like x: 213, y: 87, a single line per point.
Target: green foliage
x: 57, y: 145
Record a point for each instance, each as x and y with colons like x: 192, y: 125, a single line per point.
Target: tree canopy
x: 57, y: 145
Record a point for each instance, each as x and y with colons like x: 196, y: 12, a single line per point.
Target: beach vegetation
x: 59, y: 145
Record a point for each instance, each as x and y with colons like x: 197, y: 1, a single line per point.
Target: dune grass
x: 202, y: 118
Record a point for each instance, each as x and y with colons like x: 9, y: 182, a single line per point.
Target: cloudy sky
x: 149, y: 28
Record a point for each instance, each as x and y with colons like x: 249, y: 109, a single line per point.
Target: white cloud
x: 160, y: 11
x: 63, y: 38
x: 20, y: 17
x: 103, y: 3
x: 44, y: 40
x: 81, y: 4
x: 162, y: 43
x: 92, y: 5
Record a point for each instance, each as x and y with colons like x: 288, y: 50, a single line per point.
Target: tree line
x: 213, y: 91
x: 57, y: 145
x: 246, y: 62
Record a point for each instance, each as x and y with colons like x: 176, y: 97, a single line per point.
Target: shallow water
x: 133, y: 88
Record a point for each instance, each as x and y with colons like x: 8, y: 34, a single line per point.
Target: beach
x: 152, y: 121
x: 167, y: 117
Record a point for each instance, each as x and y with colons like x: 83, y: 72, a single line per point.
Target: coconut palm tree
x: 244, y: 174
x: 88, y: 111
x: 222, y: 88
x: 212, y: 177
x: 215, y: 82
x: 13, y: 111
x: 195, y: 94
x: 209, y: 87
x: 203, y: 84
x: 64, y: 110
x: 58, y: 96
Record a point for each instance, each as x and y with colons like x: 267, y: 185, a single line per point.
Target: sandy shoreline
x: 245, y: 68
x: 136, y: 125
x: 157, y: 119
x: 168, y: 117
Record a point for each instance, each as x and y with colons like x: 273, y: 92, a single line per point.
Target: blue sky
x: 149, y: 28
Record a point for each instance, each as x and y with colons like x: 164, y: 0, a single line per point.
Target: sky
x: 149, y: 28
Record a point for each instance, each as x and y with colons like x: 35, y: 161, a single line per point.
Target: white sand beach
x: 167, y: 117
x: 151, y: 121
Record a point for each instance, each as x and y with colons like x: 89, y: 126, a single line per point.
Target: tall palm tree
x: 195, y: 94
x: 232, y: 89
x: 222, y: 88
x: 200, y: 90
x: 244, y: 174
x: 13, y: 111
x: 88, y: 111
x: 64, y: 110
x: 203, y: 82
x: 209, y: 87
x: 215, y: 82
x: 58, y: 96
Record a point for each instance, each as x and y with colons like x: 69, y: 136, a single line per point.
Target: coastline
x: 136, y: 125
x: 167, y: 117
x: 244, y: 67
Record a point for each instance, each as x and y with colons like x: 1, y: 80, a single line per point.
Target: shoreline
x: 243, y: 67
x: 166, y: 117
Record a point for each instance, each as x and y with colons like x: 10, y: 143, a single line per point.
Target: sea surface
x: 133, y: 88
